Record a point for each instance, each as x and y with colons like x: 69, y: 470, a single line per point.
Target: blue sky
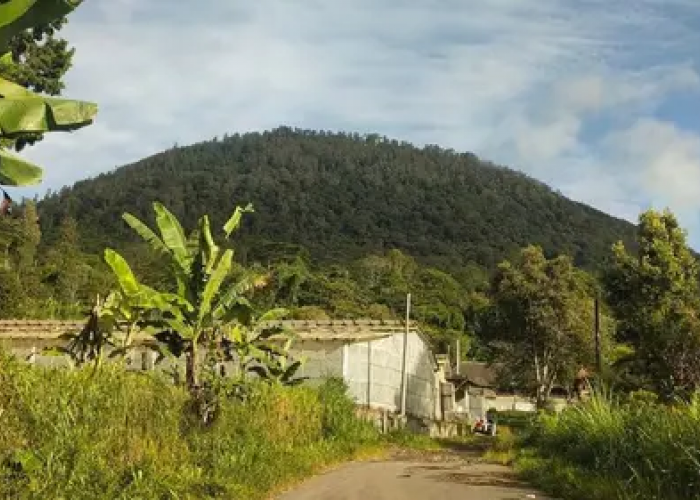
x: 601, y: 99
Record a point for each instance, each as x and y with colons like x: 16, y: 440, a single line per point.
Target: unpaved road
x: 463, y: 479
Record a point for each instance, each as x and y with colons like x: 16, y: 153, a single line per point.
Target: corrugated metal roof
x: 318, y: 330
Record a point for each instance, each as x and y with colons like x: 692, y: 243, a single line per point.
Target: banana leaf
x: 22, y: 111
x: 17, y: 16
x: 16, y: 171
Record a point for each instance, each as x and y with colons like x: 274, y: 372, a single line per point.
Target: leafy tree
x: 289, y: 277
x: 30, y: 236
x: 65, y: 266
x: 540, y: 320
x: 655, y: 296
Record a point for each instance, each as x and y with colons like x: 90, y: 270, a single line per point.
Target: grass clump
x: 108, y: 433
x: 606, y: 448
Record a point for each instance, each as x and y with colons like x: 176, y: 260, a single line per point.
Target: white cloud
x: 659, y: 159
x: 537, y: 85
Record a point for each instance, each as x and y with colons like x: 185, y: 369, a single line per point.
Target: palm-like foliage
x: 210, y: 295
x: 22, y: 111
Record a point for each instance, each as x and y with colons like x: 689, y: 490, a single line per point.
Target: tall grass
x: 627, y: 450
x: 77, y: 434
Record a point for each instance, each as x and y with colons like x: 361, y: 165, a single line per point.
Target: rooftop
x: 318, y: 330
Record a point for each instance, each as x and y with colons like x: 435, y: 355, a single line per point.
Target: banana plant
x: 22, y: 111
x: 276, y: 366
x: 129, y: 308
x: 250, y: 345
x: 207, y: 297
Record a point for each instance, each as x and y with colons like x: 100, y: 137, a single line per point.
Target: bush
x: 338, y: 415
x: 648, y: 450
x: 113, y: 434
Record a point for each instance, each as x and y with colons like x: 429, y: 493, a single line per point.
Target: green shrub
x: 649, y: 448
x: 85, y: 434
x: 339, y: 420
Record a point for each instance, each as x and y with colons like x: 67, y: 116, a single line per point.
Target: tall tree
x: 66, y: 268
x: 30, y: 237
x: 540, y: 320
x: 655, y: 296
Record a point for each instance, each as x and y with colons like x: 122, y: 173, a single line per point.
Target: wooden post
x: 404, y: 366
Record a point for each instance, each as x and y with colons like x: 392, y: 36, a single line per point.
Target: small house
x: 478, y: 387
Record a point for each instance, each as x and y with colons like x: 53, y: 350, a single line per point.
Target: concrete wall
x: 372, y: 370
x: 476, y: 406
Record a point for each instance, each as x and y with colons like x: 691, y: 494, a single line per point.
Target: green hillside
x: 342, y: 196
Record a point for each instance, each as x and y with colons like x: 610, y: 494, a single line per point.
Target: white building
x: 369, y: 356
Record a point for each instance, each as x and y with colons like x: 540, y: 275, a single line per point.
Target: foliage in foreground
x: 23, y: 112
x: 607, y: 449
x: 113, y: 434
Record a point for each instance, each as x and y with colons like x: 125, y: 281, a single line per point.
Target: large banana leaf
x: 23, y: 111
x: 221, y: 271
x: 141, y: 295
x: 235, y: 220
x: 209, y: 249
x: 147, y: 234
x: 16, y: 171
x: 19, y: 15
x: 172, y: 235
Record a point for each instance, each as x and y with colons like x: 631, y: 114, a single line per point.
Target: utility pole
x: 458, y: 355
x: 404, y: 366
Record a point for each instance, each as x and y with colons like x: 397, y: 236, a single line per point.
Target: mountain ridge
x: 343, y: 195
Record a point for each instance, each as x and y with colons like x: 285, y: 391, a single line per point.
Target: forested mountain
x: 342, y: 196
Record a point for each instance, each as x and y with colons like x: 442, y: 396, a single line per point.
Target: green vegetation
x: 639, y: 442
x: 540, y: 319
x: 513, y: 419
x: 338, y: 197
x: 112, y: 434
x: 655, y: 297
x: 25, y: 115
x: 611, y: 449
x: 346, y: 226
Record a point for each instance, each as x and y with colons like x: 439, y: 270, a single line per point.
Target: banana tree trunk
x: 192, y: 367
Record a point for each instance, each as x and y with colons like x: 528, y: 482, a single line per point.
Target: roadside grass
x: 611, y: 449
x: 84, y: 434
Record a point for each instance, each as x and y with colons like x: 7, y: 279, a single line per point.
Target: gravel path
x: 443, y: 477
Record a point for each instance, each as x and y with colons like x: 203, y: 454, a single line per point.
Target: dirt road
x: 461, y: 479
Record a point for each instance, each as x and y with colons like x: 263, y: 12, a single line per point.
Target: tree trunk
x: 191, y: 367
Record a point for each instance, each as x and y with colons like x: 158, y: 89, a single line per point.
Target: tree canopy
x: 655, y: 295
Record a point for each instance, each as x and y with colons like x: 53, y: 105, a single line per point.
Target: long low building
x: 367, y: 354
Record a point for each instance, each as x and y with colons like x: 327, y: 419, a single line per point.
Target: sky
x: 600, y: 99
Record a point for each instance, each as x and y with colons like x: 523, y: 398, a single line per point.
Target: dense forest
x: 341, y: 197
x: 344, y: 226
